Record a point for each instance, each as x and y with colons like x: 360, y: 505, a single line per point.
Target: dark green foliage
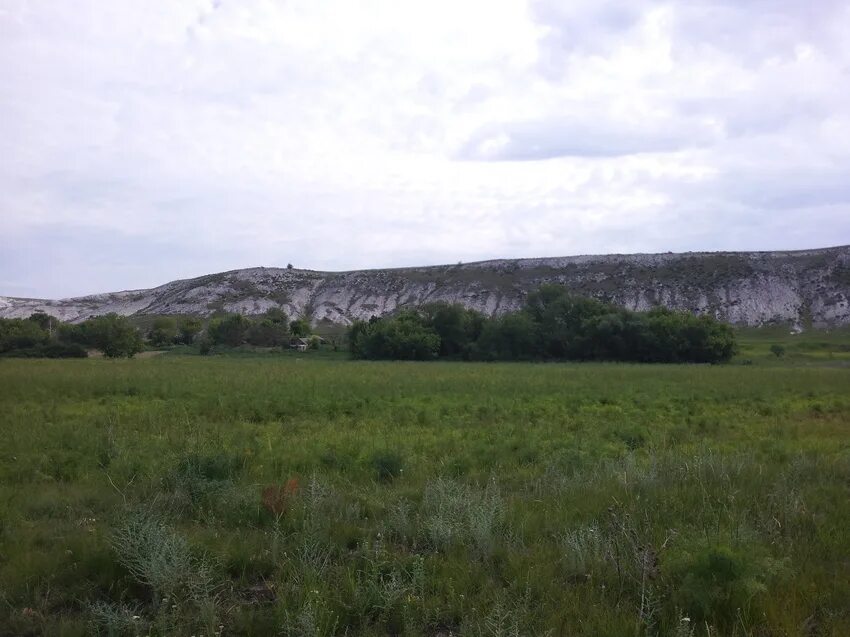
x: 457, y: 327
x: 231, y: 331
x: 113, y: 335
x: 204, y: 345
x: 553, y: 325
x: 270, y: 330
x: 300, y: 328
x: 508, y: 337
x: 44, y: 321
x: 721, y: 584
x: 187, y: 330
x: 49, y: 350
x: 20, y: 334
x: 388, y: 465
x: 777, y: 350
x: 163, y: 332
x: 405, y: 336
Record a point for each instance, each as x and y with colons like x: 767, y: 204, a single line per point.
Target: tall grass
x: 319, y: 497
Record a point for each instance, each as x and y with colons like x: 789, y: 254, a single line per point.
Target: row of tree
x: 552, y: 325
x: 271, y: 329
x: 41, y: 335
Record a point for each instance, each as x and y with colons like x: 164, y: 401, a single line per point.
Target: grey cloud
x: 575, y: 27
x: 581, y: 137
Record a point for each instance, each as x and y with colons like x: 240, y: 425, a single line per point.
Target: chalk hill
x: 809, y: 287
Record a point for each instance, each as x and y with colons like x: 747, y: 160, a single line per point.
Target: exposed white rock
x: 799, y: 288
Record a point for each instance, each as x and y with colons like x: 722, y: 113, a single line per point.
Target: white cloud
x: 140, y: 142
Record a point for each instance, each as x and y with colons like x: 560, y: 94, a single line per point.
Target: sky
x: 142, y: 142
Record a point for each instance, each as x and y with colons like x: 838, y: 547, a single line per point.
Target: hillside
x: 810, y: 287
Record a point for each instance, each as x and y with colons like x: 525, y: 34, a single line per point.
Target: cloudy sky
x: 146, y: 141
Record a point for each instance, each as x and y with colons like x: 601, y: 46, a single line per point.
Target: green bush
x: 718, y: 584
x: 163, y: 332
x: 553, y: 325
x: 49, y: 350
x: 405, y: 336
x: 387, y: 465
x: 113, y: 335
x: 20, y: 334
x: 231, y: 331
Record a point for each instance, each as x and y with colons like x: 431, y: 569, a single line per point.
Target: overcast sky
x: 146, y: 141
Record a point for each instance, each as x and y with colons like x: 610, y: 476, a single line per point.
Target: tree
x: 276, y: 315
x: 267, y: 333
x: 457, y: 327
x: 20, y: 334
x: 114, y: 335
x: 300, y: 328
x: 231, y: 330
x: 187, y: 330
x: 44, y: 321
x: 401, y: 337
x: 509, y: 337
x: 777, y: 350
x: 163, y: 331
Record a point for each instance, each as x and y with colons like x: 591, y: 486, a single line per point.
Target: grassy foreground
x: 240, y: 496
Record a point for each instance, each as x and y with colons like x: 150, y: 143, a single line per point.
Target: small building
x: 302, y: 343
x: 299, y: 343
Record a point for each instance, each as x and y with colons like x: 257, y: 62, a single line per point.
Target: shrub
x: 187, y: 330
x: 777, y: 350
x: 231, y: 330
x: 20, y: 334
x: 405, y: 336
x: 552, y: 325
x: 114, y: 335
x: 49, y: 350
x: 717, y: 583
x: 159, y: 558
x: 388, y: 465
x: 163, y: 332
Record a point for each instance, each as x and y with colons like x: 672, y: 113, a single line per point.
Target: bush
x: 50, y: 350
x: 402, y: 337
x: 718, y: 583
x: 777, y: 350
x: 457, y: 327
x: 231, y: 330
x: 187, y: 330
x: 114, y: 335
x: 20, y: 334
x: 388, y: 465
x: 267, y: 333
x: 163, y: 332
x: 553, y: 325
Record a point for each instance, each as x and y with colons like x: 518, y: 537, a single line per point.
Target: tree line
x: 552, y: 325
x: 44, y: 336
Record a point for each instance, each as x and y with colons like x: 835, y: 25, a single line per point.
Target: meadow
x: 299, y: 495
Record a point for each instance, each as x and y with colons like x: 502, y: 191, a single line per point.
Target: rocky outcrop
x: 810, y: 287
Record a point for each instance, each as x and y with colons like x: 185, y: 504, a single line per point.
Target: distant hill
x: 807, y: 287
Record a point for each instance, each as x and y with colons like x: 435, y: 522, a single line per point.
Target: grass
x: 811, y: 347
x: 294, y: 495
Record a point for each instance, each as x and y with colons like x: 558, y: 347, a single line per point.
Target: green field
x: 294, y: 495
